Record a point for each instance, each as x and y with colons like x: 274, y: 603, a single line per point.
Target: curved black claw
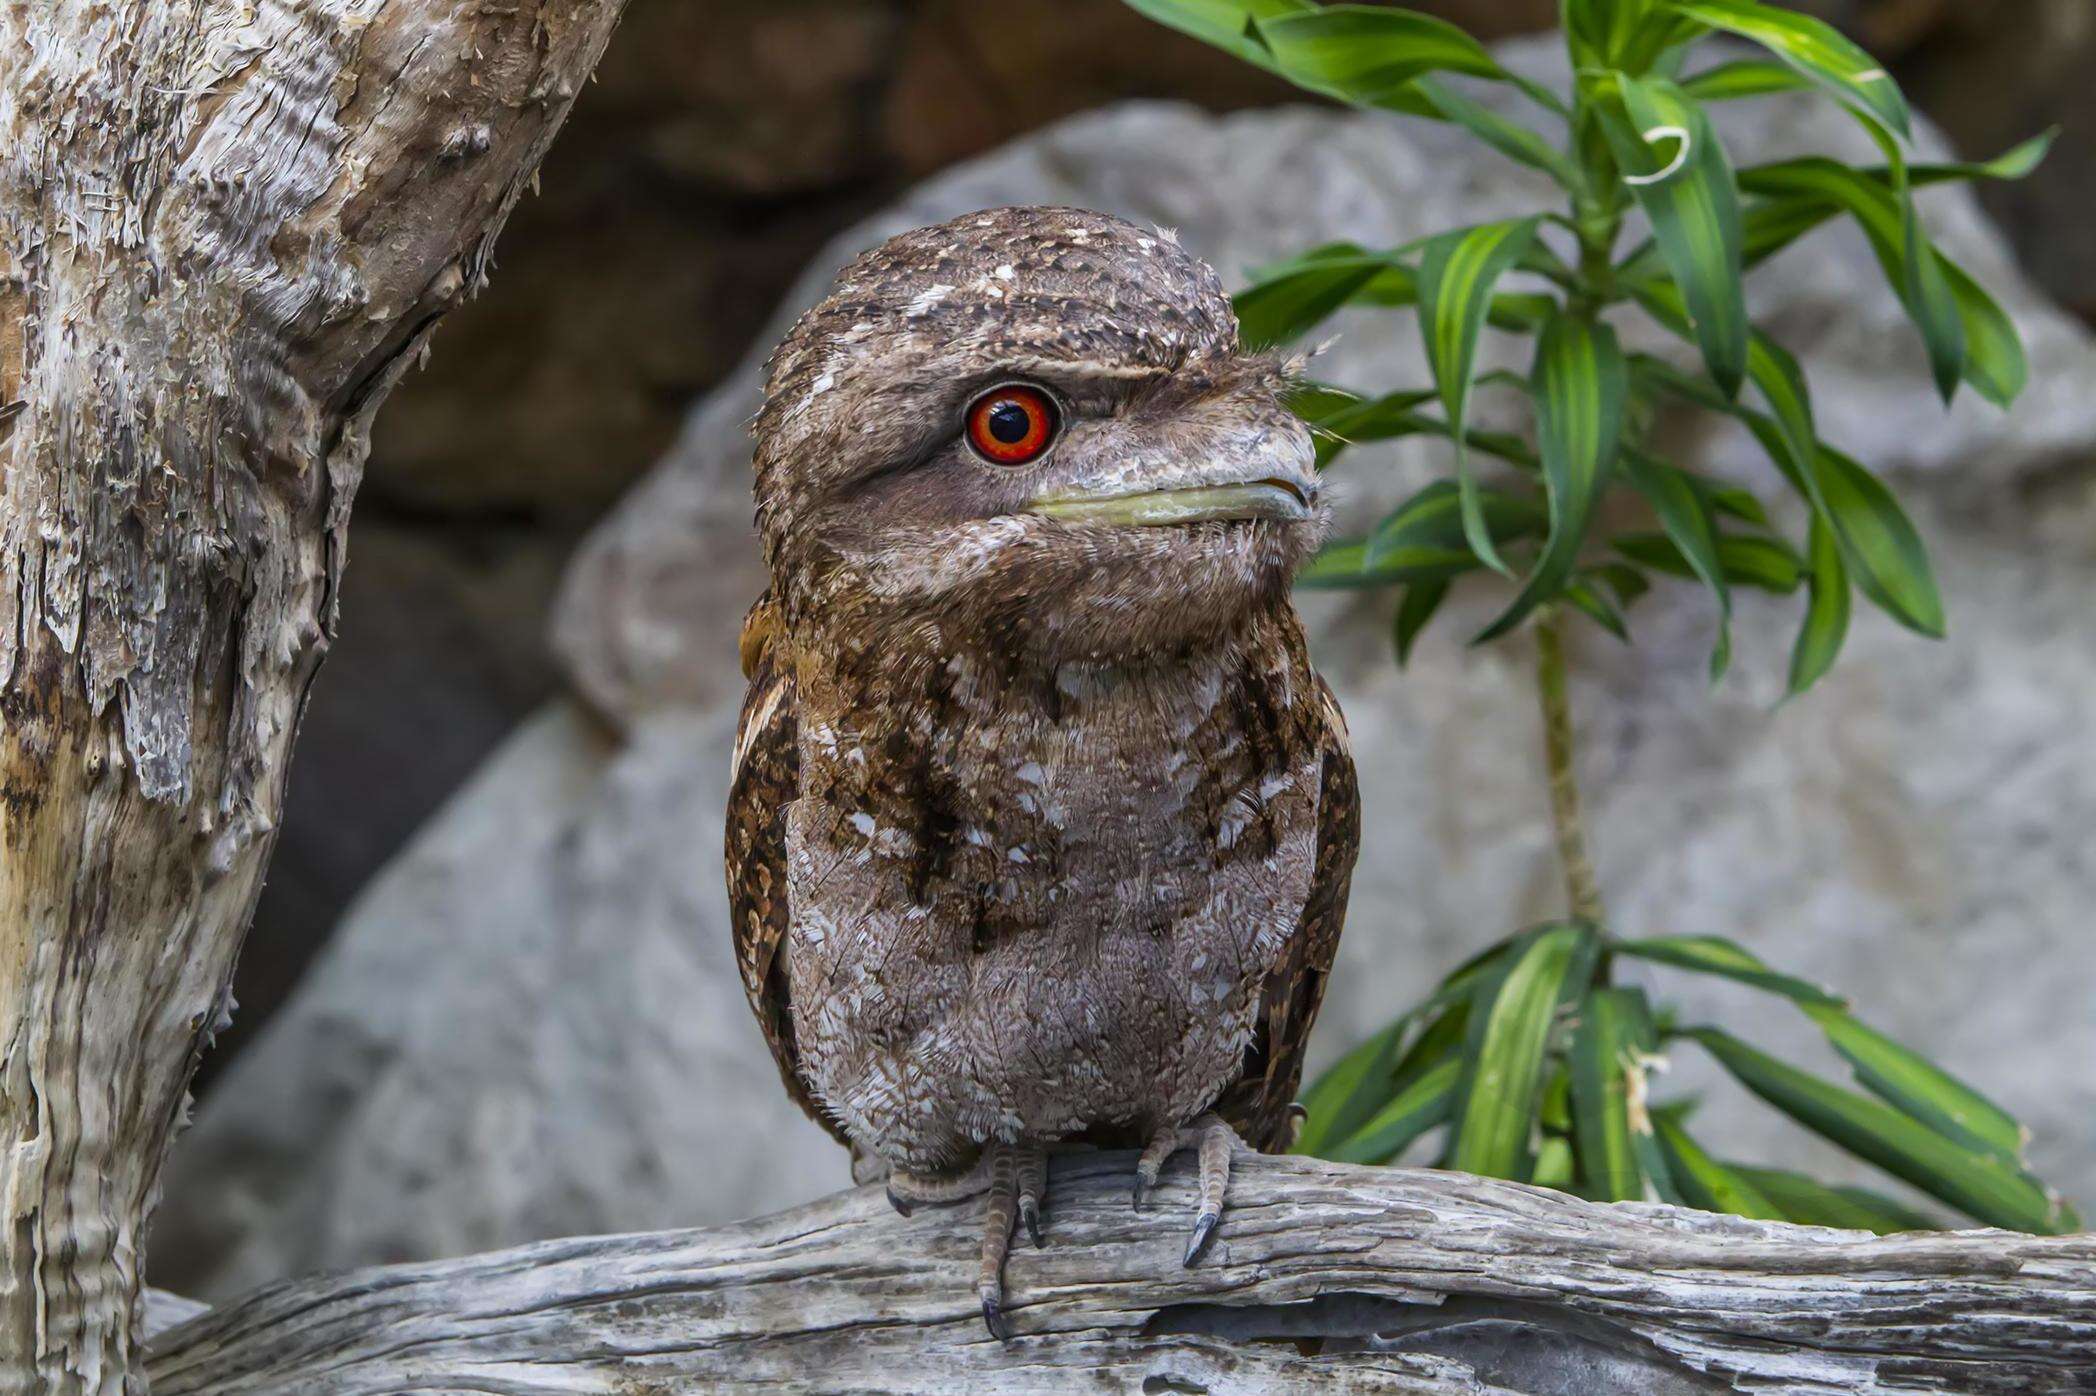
x: 993, y: 1319
x: 898, y: 1204
x: 1204, y: 1232
x: 1030, y: 1213
x: 1142, y: 1192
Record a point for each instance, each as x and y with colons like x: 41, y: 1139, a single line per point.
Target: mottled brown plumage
x: 1041, y: 822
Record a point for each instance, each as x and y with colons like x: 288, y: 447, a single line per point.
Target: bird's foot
x: 1018, y: 1186
x: 1216, y: 1142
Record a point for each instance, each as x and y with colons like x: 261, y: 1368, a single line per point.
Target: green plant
x: 1531, y: 1055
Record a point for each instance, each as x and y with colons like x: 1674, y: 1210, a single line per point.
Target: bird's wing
x: 764, y: 780
x: 1259, y: 1103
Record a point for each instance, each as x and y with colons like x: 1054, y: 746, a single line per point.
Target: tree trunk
x: 1324, y: 1277
x: 226, y: 228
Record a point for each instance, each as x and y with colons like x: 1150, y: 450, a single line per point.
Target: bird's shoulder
x: 1261, y: 1102
x: 764, y: 781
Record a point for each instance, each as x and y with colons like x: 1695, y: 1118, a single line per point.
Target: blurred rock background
x: 724, y: 143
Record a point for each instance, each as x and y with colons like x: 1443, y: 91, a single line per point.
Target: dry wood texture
x: 1360, y: 1279
x: 226, y: 228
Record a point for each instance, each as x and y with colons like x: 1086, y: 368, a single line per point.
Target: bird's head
x: 1032, y: 428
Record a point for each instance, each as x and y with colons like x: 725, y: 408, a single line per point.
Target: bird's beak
x: 1269, y: 498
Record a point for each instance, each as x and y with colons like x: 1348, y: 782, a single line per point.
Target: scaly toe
x: 1033, y: 1189
x: 1150, y: 1164
x: 1204, y: 1232
x: 1002, y: 1169
x: 994, y: 1319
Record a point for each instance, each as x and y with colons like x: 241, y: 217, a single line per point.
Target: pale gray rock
x: 531, y: 1025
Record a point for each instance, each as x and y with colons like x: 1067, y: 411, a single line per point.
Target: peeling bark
x: 225, y: 230
x: 1324, y: 1275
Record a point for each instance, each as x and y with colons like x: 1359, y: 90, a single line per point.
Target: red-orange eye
x: 1011, y: 425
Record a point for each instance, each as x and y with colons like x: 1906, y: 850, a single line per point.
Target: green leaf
x: 1580, y: 384
x: 1927, y: 289
x: 1995, y: 364
x: 1289, y: 298
x: 1422, y: 540
x: 1878, y: 542
x: 1625, y: 582
x: 1653, y: 47
x: 1554, y: 1108
x: 1826, y: 615
x: 1676, y: 166
x: 1715, y: 955
x: 1493, y: 443
x: 1319, y: 403
x: 1810, y: 1203
x: 1509, y: 137
x: 1456, y: 275
x: 1921, y: 1088
x: 1369, y: 55
x: 1445, y: 1035
x: 1815, y: 180
x: 1342, y: 565
x: 1781, y: 383
x: 1655, y: 1165
x: 1597, y: 606
x: 2017, y: 162
x: 1414, y: 610
x: 1708, y: 1184
x: 1767, y: 564
x: 1603, y: 29
x: 1521, y: 312
x: 1553, y: 1167
x: 1960, y: 324
x: 1224, y: 24
x: 1292, y: 297
x: 1430, y: 524
x: 1609, y: 1046
x: 1730, y: 499
x: 1780, y: 219
x: 1503, y: 1060
x: 1339, y: 419
x: 1978, y: 1183
x: 1394, y: 283
x: 1771, y: 227
x: 1338, y: 425
x: 1790, y: 436
x: 1747, y: 78
x: 1416, y: 1108
x: 1347, y: 1091
x: 1687, y: 519
x: 1357, y: 1085
x: 1815, y: 48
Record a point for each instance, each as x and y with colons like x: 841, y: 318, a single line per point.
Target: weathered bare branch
x: 226, y: 228
x: 1383, y: 1280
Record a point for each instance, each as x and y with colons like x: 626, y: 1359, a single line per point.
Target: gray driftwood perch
x: 1359, y: 1279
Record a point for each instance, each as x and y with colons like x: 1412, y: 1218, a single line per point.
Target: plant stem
x: 1581, y: 888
